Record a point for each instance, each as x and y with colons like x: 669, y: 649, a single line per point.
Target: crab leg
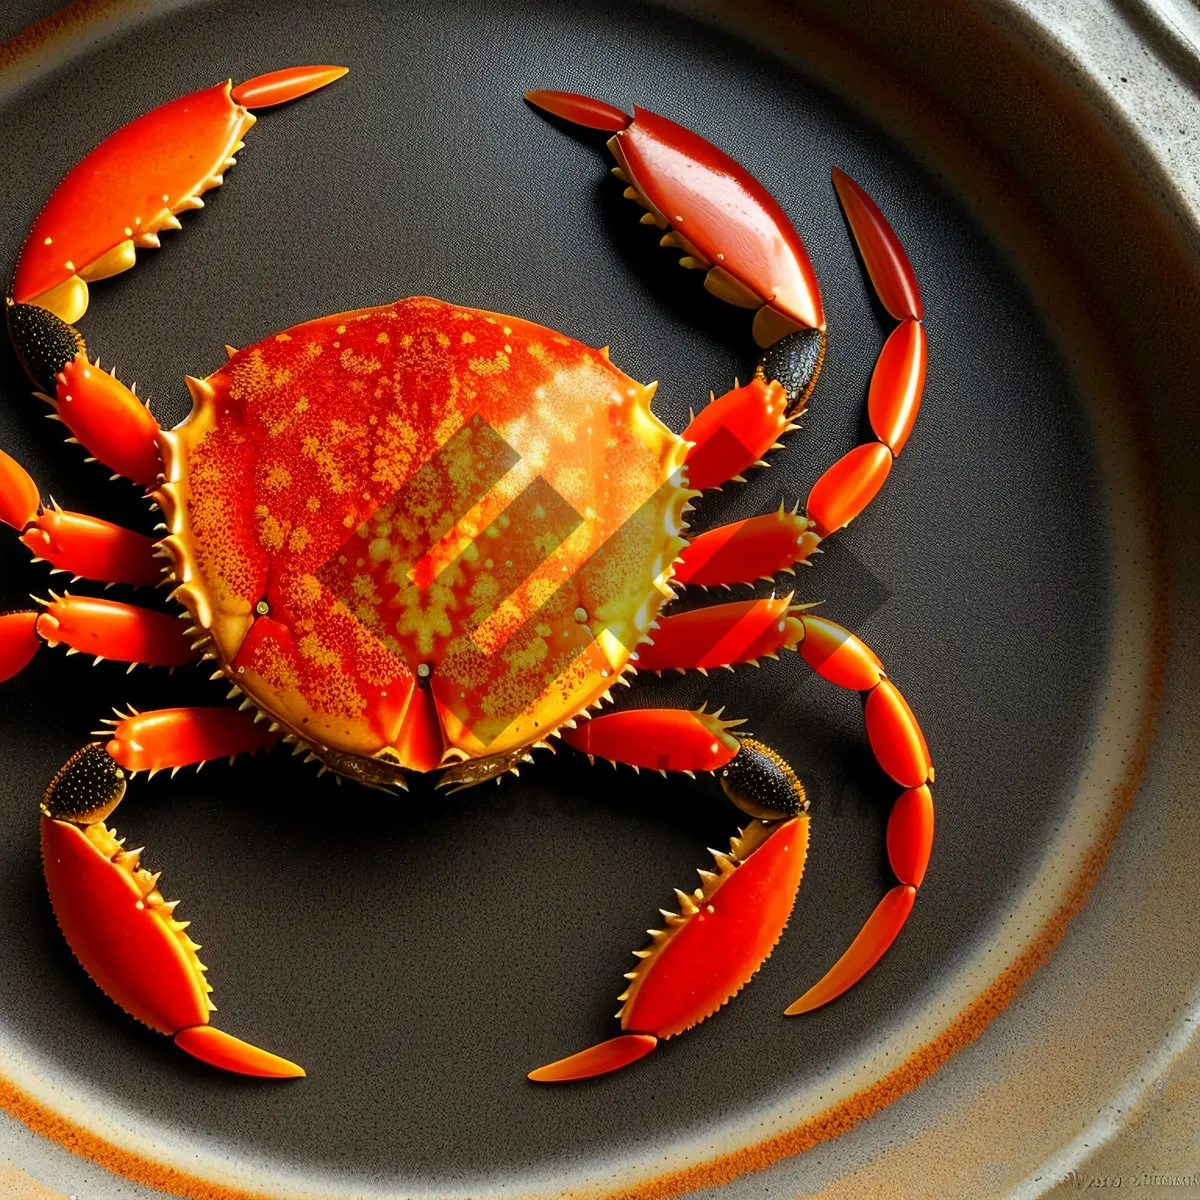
x: 119, y: 926
x: 83, y: 546
x: 170, y: 738
x: 727, y: 633
x: 899, y: 747
x: 104, y: 628
x: 721, y: 635
x: 744, y: 551
x: 727, y: 927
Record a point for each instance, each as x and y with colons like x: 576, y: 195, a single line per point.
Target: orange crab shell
x: 421, y: 533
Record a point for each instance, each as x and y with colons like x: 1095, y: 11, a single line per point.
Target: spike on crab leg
x: 886, y: 263
x: 278, y: 87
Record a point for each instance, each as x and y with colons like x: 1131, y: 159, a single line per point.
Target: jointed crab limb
x: 19, y: 641
x: 725, y: 930
x: 723, y: 219
x: 728, y: 926
x: 83, y: 546
x: 118, y: 924
x: 886, y: 263
x: 899, y: 748
x: 848, y: 486
x: 722, y: 634
x: 659, y: 739
x: 170, y: 738
x: 745, y: 551
x: 111, y: 630
x: 103, y: 415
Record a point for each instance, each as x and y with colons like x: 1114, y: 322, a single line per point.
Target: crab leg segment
x: 178, y: 737
x: 19, y: 499
x: 853, y: 481
x: 136, y: 182
x: 884, y: 257
x: 734, y: 432
x: 723, y: 219
x: 900, y: 749
x: 721, y: 634
x: 747, y: 550
x: 112, y: 630
x: 118, y: 924
x: 660, y: 739
x: 90, y: 548
x: 278, y: 87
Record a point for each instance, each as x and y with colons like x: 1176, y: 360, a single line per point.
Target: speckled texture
x: 1017, y: 405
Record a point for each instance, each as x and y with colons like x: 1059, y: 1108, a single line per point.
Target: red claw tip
x: 278, y: 87
x: 597, y: 1060
x: 581, y: 110
x: 220, y: 1049
x: 887, y: 264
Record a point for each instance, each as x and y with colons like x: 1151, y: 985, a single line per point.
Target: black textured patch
x: 795, y: 362
x: 87, y: 787
x: 44, y: 342
x: 760, y: 783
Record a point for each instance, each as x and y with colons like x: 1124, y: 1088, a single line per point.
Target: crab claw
x: 722, y: 218
x: 136, y: 182
x: 119, y: 926
x: 724, y: 932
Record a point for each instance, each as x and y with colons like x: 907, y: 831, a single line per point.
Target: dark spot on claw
x: 44, y: 342
x: 795, y: 362
x: 761, y: 783
x: 87, y: 787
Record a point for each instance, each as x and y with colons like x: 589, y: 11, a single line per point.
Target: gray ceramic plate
x: 418, y: 957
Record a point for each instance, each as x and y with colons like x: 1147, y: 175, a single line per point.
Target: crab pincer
x: 133, y: 185
x: 118, y: 924
x: 720, y: 216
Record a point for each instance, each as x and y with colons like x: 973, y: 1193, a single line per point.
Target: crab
x: 424, y: 538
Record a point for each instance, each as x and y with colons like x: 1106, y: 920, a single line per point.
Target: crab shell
x: 420, y: 533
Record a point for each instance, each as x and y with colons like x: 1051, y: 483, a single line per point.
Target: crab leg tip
x: 223, y: 1050
x: 580, y: 110
x: 278, y: 87
x: 597, y: 1060
x: 864, y: 952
